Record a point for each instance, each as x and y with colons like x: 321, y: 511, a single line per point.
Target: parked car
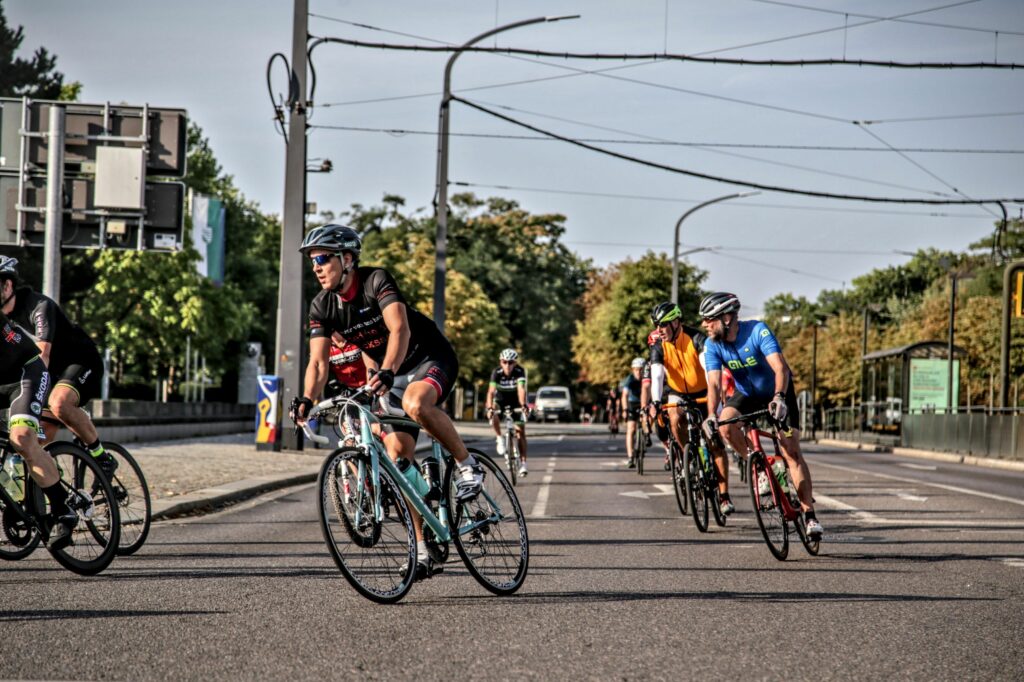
x: 531, y: 403
x: 553, y: 402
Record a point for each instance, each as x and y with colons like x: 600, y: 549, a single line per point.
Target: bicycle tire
x: 510, y: 459
x: 638, y: 449
x: 695, y: 488
x: 767, y: 509
x: 371, y: 562
x: 90, y: 495
x: 479, y: 547
x: 713, y: 494
x: 678, y: 477
x: 18, y: 539
x: 132, y: 494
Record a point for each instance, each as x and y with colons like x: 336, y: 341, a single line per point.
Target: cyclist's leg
x: 676, y: 421
x: 402, y: 444
x: 433, y: 382
x: 630, y: 426
x: 734, y: 406
x: 74, y: 386
x: 521, y: 437
x: 720, y: 459
x: 496, y: 418
x: 789, y: 444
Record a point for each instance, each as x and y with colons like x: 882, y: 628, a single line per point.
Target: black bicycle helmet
x: 9, y: 268
x: 336, y: 238
x: 665, y: 312
x: 719, y: 303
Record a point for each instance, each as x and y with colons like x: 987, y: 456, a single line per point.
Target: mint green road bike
x: 365, y: 506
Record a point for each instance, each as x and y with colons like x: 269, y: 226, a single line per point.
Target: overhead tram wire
x: 950, y: 117
x: 893, y: 19
x: 399, y: 132
x: 745, y: 204
x: 712, y: 249
x: 732, y: 181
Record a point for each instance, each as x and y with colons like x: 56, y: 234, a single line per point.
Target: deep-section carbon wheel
x: 678, y: 476
x: 489, y: 531
x: 371, y: 553
x: 132, y: 495
x: 767, y: 509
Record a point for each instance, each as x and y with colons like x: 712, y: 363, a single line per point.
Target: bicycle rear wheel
x: 638, y: 449
x: 132, y: 495
x: 373, y: 555
x: 767, y: 509
x: 489, y: 531
x: 713, y: 495
x: 90, y: 495
x: 695, y: 488
x: 18, y: 538
x: 678, y: 476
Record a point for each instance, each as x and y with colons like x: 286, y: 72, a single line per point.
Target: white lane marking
x: 911, y: 498
x: 663, y: 489
x: 540, y: 505
x: 1016, y: 562
x: 869, y: 517
x: 560, y: 438
x: 613, y: 448
x: 916, y: 481
x: 636, y: 493
x: 609, y: 464
x: 921, y: 467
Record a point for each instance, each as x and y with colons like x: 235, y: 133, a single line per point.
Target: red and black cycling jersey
x: 358, y: 316
x: 16, y: 350
x: 347, y: 365
x: 43, y: 318
x: 506, y: 385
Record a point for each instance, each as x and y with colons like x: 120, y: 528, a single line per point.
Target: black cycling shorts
x: 747, y: 404
x: 632, y: 411
x: 84, y: 377
x: 26, y: 397
x: 440, y: 369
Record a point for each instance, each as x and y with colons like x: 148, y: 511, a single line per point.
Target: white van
x: 553, y: 402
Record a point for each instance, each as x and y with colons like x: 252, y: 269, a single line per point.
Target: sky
x: 210, y: 58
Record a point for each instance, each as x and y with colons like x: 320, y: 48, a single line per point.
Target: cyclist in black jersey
x: 508, y: 389
x: 365, y: 306
x: 24, y: 383
x: 630, y: 390
x: 71, y: 357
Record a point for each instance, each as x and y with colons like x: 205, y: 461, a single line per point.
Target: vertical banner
x: 208, y: 226
x: 268, y: 412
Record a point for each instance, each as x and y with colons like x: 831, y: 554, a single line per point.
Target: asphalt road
x: 921, y: 576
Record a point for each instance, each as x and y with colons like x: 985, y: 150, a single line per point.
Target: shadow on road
x: 79, y: 614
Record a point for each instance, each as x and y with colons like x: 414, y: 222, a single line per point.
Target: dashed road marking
x: 920, y: 467
x: 540, y: 505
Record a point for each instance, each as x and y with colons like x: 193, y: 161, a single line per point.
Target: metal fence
x: 996, y: 434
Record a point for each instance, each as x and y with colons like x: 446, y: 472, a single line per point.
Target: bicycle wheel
x: 90, y: 495
x: 18, y: 537
x: 766, y: 507
x: 510, y: 458
x: 372, y: 554
x: 713, y: 495
x: 638, y: 449
x: 489, y: 531
x: 678, y: 477
x: 133, y: 499
x: 695, y: 488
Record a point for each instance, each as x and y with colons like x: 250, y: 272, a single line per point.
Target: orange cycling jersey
x: 681, y: 359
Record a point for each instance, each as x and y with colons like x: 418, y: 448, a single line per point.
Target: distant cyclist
x: 365, y: 306
x: 71, y: 357
x: 763, y: 381
x: 630, y: 389
x: 24, y: 383
x: 348, y: 371
x: 656, y: 423
x: 676, y: 361
x: 508, y: 389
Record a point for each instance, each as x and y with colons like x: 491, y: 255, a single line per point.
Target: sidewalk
x: 954, y: 458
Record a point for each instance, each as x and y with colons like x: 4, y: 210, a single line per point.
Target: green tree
x: 36, y: 77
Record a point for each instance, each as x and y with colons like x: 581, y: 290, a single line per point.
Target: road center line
x: 540, y: 505
x: 874, y: 519
x: 916, y: 481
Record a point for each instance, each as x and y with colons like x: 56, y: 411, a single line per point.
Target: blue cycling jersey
x: 746, y: 358
x: 633, y: 385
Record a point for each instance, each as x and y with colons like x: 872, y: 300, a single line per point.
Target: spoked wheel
x: 132, y: 495
x: 767, y: 509
x: 18, y: 537
x: 678, y: 477
x: 489, y: 531
x: 714, y: 498
x: 638, y: 449
x: 90, y: 495
x: 510, y: 456
x: 695, y: 488
x: 373, y: 554
x: 812, y: 545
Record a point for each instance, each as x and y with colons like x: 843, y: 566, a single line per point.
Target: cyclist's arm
x: 521, y: 388
x: 318, y: 367
x: 396, y: 319
x: 491, y: 390
x: 657, y: 380
x: 781, y: 369
x: 714, y: 390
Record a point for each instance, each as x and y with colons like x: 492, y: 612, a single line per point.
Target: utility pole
x: 288, y: 342
x: 54, y: 203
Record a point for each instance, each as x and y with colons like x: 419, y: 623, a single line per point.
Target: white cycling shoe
x: 814, y: 529
x: 469, y: 480
x: 499, y: 444
x: 522, y: 470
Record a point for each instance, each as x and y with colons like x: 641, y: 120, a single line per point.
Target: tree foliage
x: 36, y: 77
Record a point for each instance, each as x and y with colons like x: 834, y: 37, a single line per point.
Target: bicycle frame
x: 379, y: 458
x: 754, y: 435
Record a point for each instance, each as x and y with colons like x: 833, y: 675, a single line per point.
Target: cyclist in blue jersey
x: 763, y: 381
x: 630, y: 390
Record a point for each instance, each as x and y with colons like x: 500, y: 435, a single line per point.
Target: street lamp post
x: 441, y: 188
x: 675, y: 241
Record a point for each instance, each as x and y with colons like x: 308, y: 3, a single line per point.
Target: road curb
x: 952, y: 458
x: 209, y: 498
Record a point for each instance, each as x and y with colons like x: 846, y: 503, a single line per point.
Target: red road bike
x: 772, y: 492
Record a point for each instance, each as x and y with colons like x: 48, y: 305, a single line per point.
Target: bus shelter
x: 913, y: 378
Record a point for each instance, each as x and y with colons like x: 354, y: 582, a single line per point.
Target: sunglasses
x: 322, y: 259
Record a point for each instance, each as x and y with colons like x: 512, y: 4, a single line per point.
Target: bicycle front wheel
x: 90, y: 495
x: 638, y: 449
x: 132, y: 495
x: 510, y: 456
x: 375, y: 555
x: 678, y: 477
x: 18, y: 537
x: 489, y: 531
x: 767, y: 508
x: 695, y: 488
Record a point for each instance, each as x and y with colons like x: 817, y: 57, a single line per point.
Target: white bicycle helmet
x: 638, y: 363
x: 509, y: 355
